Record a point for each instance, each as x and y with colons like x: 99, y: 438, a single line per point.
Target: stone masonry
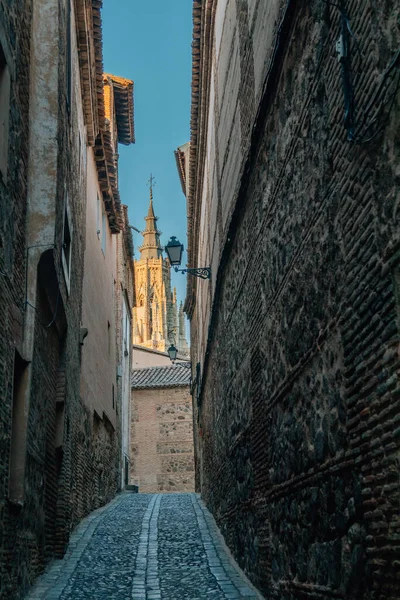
x: 146, y: 547
x: 162, y: 430
x: 296, y: 338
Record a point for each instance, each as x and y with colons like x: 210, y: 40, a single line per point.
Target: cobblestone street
x: 146, y: 547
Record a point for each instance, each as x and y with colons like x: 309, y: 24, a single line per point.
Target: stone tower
x: 155, y: 318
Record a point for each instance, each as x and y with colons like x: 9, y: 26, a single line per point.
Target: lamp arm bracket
x: 202, y: 272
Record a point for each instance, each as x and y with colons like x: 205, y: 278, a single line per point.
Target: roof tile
x: 159, y: 377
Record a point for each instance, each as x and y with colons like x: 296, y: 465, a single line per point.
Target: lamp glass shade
x: 172, y: 352
x: 174, y: 250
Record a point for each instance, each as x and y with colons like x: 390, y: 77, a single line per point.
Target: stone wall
x: 297, y: 338
x: 162, y: 440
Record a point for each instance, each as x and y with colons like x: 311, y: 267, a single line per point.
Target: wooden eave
x: 90, y: 48
x: 203, y: 27
x: 180, y: 163
x: 107, y: 176
x: 127, y: 232
x: 124, y: 107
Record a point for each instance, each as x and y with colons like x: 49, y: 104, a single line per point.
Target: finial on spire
x: 151, y: 182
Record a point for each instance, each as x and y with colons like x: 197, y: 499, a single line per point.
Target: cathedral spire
x: 151, y: 247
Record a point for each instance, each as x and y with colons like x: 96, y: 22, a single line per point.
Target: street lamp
x: 172, y: 353
x: 174, y: 250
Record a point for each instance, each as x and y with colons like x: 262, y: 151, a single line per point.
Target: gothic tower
x: 155, y: 317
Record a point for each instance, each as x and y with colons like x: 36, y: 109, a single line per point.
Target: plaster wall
x: 126, y: 368
x: 98, y: 374
x: 143, y: 358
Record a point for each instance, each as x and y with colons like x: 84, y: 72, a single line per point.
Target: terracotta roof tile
x: 177, y: 375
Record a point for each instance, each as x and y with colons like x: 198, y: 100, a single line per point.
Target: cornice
x: 202, y: 44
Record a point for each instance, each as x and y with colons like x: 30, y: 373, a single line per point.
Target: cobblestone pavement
x: 146, y: 547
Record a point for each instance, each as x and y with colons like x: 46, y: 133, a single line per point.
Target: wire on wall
x: 375, y: 116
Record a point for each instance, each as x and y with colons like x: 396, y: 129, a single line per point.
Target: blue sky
x: 150, y: 42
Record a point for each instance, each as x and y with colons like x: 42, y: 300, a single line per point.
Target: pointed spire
x: 151, y: 247
x: 150, y: 213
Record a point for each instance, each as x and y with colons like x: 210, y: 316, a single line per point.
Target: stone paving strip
x: 145, y: 579
x: 146, y: 547
x: 231, y: 578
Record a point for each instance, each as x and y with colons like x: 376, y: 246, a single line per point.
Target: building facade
x: 52, y: 120
x: 107, y: 293
x: 162, y: 457
x: 292, y: 199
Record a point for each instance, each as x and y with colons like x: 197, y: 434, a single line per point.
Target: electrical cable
x: 358, y: 133
x: 360, y: 139
x: 331, y: 4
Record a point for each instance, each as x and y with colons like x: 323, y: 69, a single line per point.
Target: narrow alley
x: 146, y: 547
x: 199, y: 299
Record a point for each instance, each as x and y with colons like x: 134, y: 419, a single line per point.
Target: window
x: 66, y: 251
x: 5, y: 87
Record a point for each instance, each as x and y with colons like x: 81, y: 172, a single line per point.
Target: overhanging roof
x: 180, y: 157
x: 177, y: 375
x: 124, y: 107
x: 90, y: 44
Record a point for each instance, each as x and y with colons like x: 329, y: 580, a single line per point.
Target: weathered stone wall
x: 98, y: 372
x: 162, y: 440
x: 297, y: 410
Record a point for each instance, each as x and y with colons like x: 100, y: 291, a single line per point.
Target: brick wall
x: 15, y: 42
x: 297, y: 411
x: 162, y: 440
